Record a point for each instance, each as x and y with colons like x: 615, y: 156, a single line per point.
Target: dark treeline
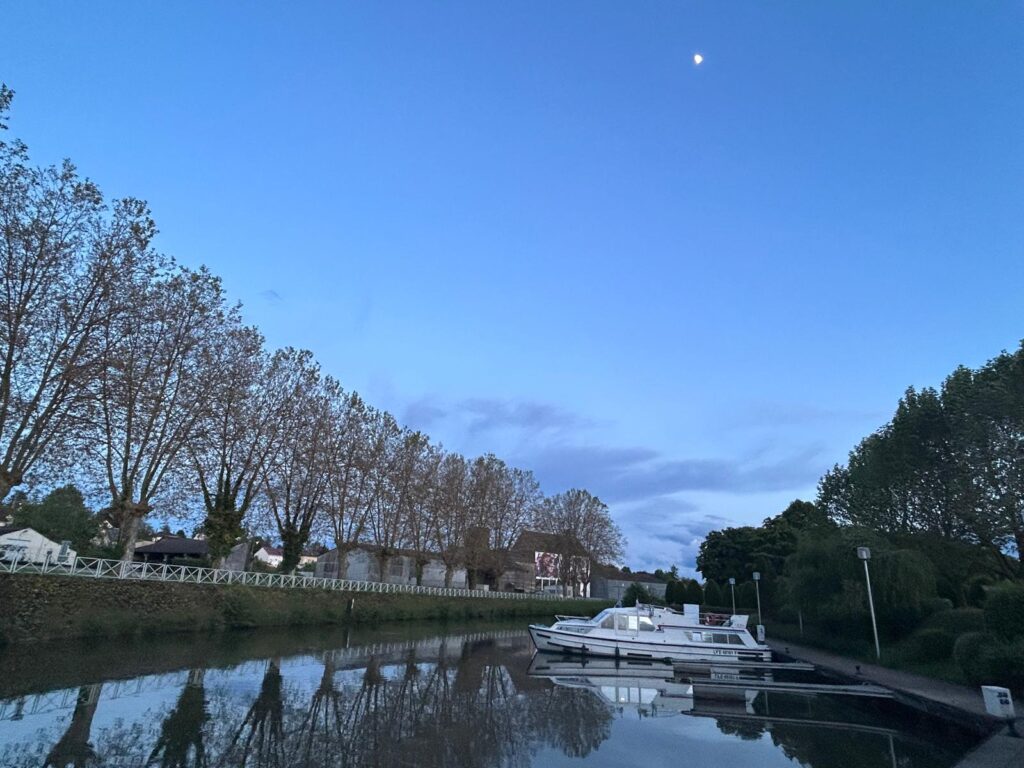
x: 938, y: 495
x: 133, y: 375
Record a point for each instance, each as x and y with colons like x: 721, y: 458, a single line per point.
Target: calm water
x: 421, y: 696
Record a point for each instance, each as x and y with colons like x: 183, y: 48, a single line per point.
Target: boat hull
x: 626, y: 647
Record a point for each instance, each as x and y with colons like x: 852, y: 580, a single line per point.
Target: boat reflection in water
x: 650, y: 689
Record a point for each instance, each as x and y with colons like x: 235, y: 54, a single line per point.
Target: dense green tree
x: 60, y: 515
x: 712, y: 594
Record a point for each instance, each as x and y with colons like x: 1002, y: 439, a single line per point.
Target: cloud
x: 487, y: 415
x: 271, y: 296
x: 478, y: 417
x: 631, y: 474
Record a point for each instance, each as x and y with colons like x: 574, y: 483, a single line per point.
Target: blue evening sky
x: 538, y: 229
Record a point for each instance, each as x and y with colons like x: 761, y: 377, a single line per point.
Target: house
x: 26, y: 545
x: 538, y: 564
x: 168, y: 548
x: 610, y: 583
x: 363, y: 564
x: 273, y: 556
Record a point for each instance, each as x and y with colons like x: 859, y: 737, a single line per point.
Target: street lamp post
x: 732, y: 587
x: 757, y: 586
x: 865, y: 554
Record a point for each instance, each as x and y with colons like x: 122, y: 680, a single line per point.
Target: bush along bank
x: 35, y: 608
x: 974, y: 646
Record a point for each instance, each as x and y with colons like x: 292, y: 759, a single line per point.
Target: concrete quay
x: 999, y: 750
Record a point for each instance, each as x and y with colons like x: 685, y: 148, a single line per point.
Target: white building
x: 24, y: 545
x: 272, y: 556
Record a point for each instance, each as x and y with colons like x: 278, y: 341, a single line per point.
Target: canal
x: 429, y: 696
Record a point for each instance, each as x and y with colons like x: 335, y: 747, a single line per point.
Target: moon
x: 697, y: 59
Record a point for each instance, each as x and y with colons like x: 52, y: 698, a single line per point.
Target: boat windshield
x: 600, y: 617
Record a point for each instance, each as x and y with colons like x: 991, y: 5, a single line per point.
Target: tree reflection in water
x: 74, y: 748
x: 466, y: 704
x: 181, y: 736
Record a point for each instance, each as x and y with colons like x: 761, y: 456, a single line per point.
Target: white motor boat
x: 654, y: 633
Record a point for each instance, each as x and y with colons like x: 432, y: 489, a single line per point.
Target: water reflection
x: 470, y: 700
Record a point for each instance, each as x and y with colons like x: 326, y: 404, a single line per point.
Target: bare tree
x: 153, y: 387
x: 234, y: 436
x: 59, y: 256
x: 449, y: 512
x: 294, y: 474
x: 352, y: 486
x: 389, y: 516
x: 421, y: 504
x: 585, y: 532
x: 502, y: 502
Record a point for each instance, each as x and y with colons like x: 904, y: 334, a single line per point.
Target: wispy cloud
x: 271, y: 296
x: 630, y: 474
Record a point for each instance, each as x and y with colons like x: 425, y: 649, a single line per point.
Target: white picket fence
x: 98, y: 568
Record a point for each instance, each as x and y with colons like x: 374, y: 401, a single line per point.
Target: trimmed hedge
x: 957, y: 621
x: 967, y: 651
x: 1004, y: 611
x: 932, y: 645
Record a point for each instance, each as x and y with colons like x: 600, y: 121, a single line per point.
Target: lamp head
x: 864, y: 553
x: 732, y: 580
x: 757, y: 575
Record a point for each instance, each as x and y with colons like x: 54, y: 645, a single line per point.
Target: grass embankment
x: 34, y: 608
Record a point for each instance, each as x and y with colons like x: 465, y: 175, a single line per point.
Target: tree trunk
x: 471, y: 578
x: 74, y: 747
x: 383, y: 561
x: 342, y: 572
x: 291, y: 545
x: 420, y: 566
x: 448, y: 574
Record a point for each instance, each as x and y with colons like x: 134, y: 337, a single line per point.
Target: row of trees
x: 120, y: 367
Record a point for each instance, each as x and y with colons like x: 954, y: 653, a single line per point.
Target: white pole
x: 732, y: 588
x: 871, y: 604
x: 757, y: 586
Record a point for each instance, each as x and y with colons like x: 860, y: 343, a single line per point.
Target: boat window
x: 646, y: 625
x: 608, y: 622
x: 719, y: 638
x: 697, y: 637
x: 735, y: 640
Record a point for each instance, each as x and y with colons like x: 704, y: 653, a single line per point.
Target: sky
x: 539, y: 229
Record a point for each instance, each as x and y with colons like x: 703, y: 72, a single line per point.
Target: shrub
x: 1004, y: 611
x: 957, y: 621
x: 934, y: 605
x: 968, y: 651
x: 635, y: 593
x: 932, y: 645
x: 712, y: 593
x: 1003, y: 664
x: 693, y: 594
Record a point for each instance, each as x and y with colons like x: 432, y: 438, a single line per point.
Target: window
x: 646, y: 625
x: 719, y: 638
x: 608, y: 622
x: 735, y: 640
x: 697, y: 637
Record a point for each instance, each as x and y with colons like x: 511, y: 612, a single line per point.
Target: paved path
x: 998, y: 751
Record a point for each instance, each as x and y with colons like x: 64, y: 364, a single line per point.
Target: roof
x: 5, y: 529
x: 313, y: 551
x: 613, y: 573
x: 539, y: 541
x: 175, y: 545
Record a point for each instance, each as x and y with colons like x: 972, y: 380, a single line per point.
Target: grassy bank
x: 42, y: 608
